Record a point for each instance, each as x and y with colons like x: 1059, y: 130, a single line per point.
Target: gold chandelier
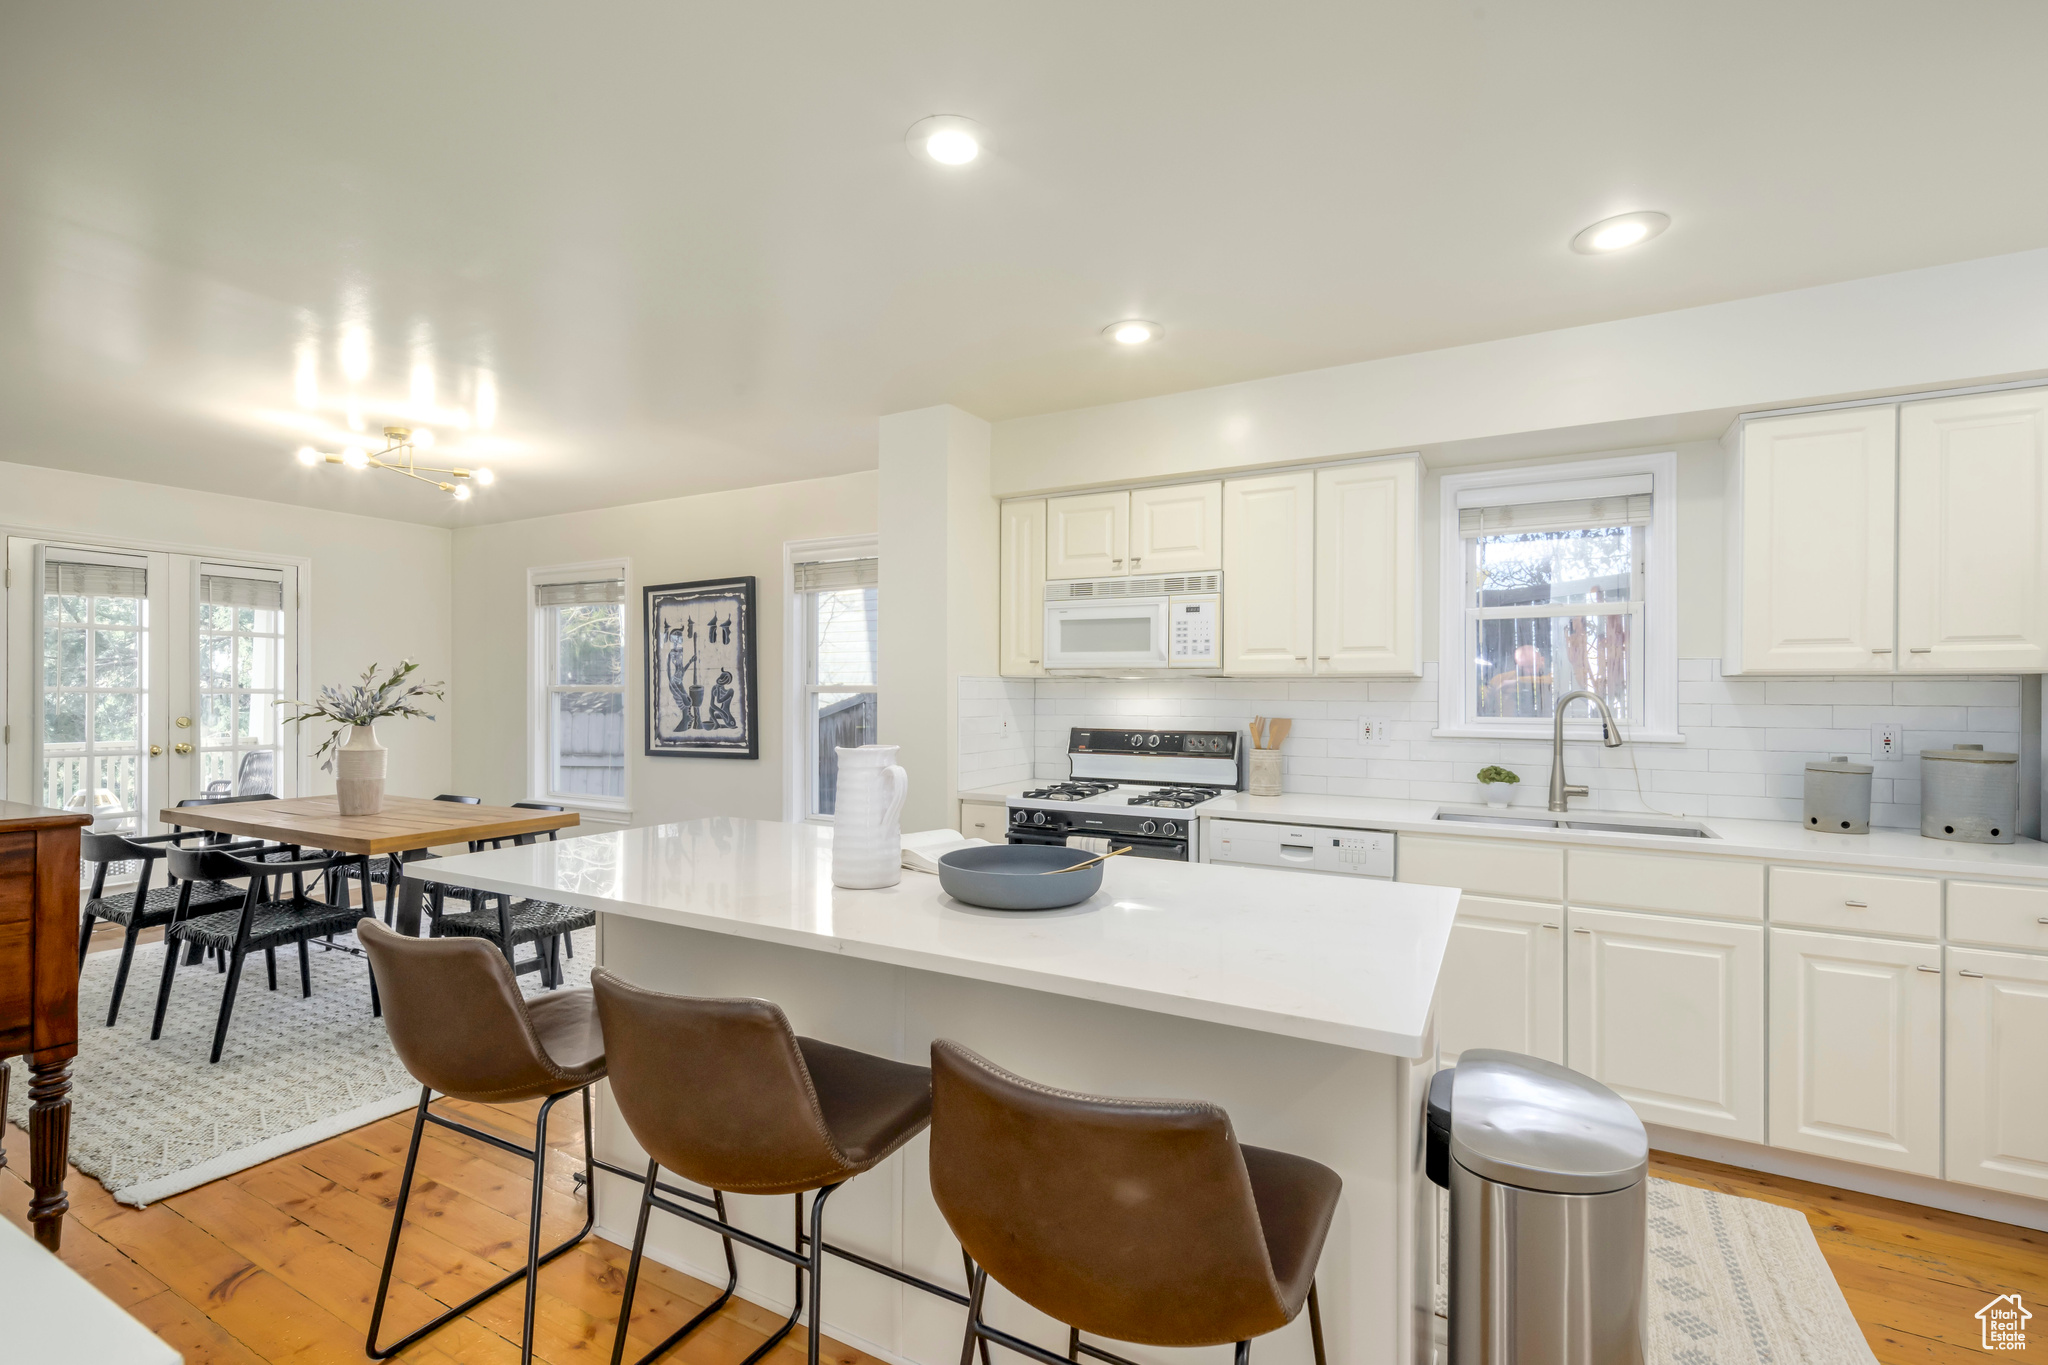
x: 400, y: 457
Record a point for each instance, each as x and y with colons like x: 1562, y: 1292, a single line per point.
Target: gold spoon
x: 1087, y: 863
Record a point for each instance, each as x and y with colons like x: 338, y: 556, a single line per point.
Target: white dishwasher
x: 1306, y: 848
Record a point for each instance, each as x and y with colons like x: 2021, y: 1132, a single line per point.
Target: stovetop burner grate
x: 1070, y: 791
x: 1175, y: 798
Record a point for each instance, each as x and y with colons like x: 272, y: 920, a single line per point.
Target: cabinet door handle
x: 1935, y: 970
x: 1880, y: 651
x: 1582, y: 931
x: 1964, y: 972
x: 1546, y: 926
x: 1857, y: 905
x: 1136, y: 560
x: 1921, y: 649
x: 2042, y: 920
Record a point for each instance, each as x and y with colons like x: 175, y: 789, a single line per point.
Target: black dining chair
x: 509, y: 923
x: 144, y: 906
x: 259, y: 922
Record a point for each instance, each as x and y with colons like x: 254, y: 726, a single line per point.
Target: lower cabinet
x: 1997, y: 1060
x: 1503, y: 980
x: 1668, y: 1012
x: 984, y: 820
x: 1856, y: 1049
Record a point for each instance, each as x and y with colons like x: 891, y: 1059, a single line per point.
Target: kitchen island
x: 1301, y: 1005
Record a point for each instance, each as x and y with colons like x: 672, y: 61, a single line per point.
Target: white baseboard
x: 1848, y: 1175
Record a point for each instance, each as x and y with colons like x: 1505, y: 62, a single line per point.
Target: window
x: 833, y: 605
x: 241, y: 644
x: 580, y: 649
x: 1548, y: 590
x: 95, y: 688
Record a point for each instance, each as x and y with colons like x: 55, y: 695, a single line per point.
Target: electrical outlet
x: 1371, y: 731
x: 1884, y: 741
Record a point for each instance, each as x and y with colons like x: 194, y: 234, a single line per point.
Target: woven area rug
x: 149, y: 1119
x: 1733, y: 1281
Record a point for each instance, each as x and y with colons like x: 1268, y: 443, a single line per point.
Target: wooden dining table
x: 406, y: 824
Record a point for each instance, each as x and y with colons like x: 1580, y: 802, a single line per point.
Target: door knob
x: 184, y: 722
x: 156, y: 751
x: 181, y: 748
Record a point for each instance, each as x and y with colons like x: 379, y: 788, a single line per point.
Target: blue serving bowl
x: 1011, y: 876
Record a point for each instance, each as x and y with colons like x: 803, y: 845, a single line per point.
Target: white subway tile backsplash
x: 1747, y: 740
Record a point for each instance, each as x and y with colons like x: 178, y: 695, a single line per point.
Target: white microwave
x: 1099, y: 625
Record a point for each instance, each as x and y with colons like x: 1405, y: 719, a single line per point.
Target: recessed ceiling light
x: 947, y: 139
x: 1133, y: 332
x: 1620, y: 233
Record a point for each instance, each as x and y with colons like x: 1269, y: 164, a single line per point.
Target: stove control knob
x: 1146, y: 827
x: 1038, y: 817
x: 1152, y: 742
x: 1169, y: 828
x: 1021, y: 818
x: 1137, y: 741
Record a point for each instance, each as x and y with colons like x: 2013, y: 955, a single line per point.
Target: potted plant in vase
x: 1498, y: 783
x: 354, y: 713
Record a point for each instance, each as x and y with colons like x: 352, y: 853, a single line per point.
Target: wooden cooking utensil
x: 1100, y: 857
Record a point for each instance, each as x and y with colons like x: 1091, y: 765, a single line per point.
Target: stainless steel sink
x: 1680, y: 829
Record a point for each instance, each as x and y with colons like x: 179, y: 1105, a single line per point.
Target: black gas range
x: 1141, y: 789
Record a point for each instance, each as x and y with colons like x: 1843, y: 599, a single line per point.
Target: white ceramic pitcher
x: 867, y: 818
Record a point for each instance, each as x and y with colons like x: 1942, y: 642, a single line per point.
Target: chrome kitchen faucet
x: 1610, y: 735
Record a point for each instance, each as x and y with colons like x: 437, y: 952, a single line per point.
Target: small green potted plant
x: 1498, y: 783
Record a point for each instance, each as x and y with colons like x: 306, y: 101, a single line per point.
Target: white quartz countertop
x: 1781, y: 841
x: 1340, y: 960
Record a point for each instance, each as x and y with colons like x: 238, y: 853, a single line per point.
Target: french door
x: 138, y: 678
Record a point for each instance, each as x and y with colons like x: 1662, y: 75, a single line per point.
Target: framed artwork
x: 699, y: 641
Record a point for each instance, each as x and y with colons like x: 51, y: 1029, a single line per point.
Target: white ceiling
x: 687, y: 244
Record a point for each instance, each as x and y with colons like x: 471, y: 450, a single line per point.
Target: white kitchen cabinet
x: 1177, y: 528
x: 984, y: 819
x: 1856, y: 1049
x: 1813, y: 550
x: 1269, y: 573
x: 1087, y: 535
x: 1021, y: 625
x: 1973, y: 533
x: 1365, y: 568
x: 1669, y: 1013
x: 1997, y: 1101
x: 1503, y: 980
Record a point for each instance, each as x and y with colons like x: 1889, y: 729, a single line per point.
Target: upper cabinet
x: 1973, y: 533
x: 1813, y: 544
x: 1365, y: 567
x: 1088, y: 535
x: 1269, y: 573
x: 1908, y: 537
x: 1176, y: 529
x: 1022, y: 624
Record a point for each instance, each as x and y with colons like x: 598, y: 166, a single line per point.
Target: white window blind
x: 834, y: 575
x: 1565, y: 514
x: 220, y: 590
x: 64, y: 578
x: 579, y: 594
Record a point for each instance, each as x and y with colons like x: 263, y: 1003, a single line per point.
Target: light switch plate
x: 1884, y: 741
x: 1370, y: 731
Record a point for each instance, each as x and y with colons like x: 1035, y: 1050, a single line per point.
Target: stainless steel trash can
x: 1546, y: 1170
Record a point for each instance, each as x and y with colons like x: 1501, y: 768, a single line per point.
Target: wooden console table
x: 39, y: 991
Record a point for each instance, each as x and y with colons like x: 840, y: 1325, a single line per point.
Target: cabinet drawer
x: 17, y: 999
x: 1861, y: 902
x: 17, y: 877
x: 1720, y: 888
x: 1491, y: 867
x: 1998, y: 916
x: 984, y: 820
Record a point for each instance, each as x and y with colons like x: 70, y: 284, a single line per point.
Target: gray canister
x: 1838, y: 796
x: 1968, y: 795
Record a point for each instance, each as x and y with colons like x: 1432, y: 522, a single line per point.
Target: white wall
x: 716, y: 535
x: 378, y: 590
x: 1944, y: 325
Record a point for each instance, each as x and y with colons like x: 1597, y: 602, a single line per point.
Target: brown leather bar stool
x: 723, y: 1093
x: 460, y: 1026
x: 1140, y: 1220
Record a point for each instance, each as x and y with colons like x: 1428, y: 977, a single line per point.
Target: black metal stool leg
x: 1244, y: 1353
x: 633, y: 1265
x: 977, y: 1282
x: 1315, y: 1323
x: 540, y: 1187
